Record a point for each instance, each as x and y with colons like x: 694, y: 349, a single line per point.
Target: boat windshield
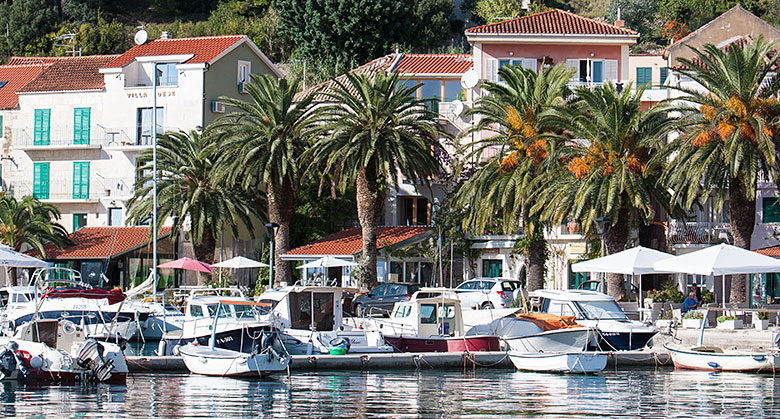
x: 223, y: 312
x: 266, y: 306
x: 244, y: 312
x: 601, y: 310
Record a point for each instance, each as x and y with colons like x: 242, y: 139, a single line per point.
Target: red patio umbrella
x: 188, y: 264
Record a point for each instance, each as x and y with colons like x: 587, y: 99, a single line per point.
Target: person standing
x: 695, y: 289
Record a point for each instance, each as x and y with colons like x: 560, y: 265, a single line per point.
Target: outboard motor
x: 91, y: 357
x: 8, y: 361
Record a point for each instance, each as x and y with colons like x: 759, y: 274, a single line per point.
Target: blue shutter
x: 41, y: 127
x: 664, y: 76
x: 644, y: 76
x: 80, y: 180
x: 41, y: 180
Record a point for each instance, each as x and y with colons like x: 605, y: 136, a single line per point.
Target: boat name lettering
x: 225, y: 339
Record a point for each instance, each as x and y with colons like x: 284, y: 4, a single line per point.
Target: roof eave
x: 264, y: 58
x: 542, y: 38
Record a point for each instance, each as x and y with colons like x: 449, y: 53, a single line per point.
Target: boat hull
x: 622, y: 341
x: 573, y: 362
x: 561, y: 340
x: 226, y: 363
x: 241, y: 339
x: 95, y: 322
x: 686, y: 357
x: 444, y: 344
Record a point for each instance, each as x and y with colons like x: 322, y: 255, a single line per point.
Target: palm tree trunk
x: 280, y: 211
x: 616, y: 241
x: 204, y: 251
x: 369, y: 206
x: 536, y: 260
x: 742, y: 213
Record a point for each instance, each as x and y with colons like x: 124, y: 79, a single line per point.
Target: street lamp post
x: 603, y: 224
x: 272, y: 227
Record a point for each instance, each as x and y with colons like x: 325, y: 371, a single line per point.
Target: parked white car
x: 488, y: 293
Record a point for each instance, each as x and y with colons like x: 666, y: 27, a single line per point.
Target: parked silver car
x: 487, y: 293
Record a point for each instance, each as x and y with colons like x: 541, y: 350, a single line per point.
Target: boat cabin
x: 318, y: 308
x: 584, y: 305
x: 429, y: 317
x: 15, y: 295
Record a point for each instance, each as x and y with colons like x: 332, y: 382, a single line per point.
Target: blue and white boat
x: 615, y: 331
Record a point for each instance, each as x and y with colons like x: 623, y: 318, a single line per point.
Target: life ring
x: 340, y: 342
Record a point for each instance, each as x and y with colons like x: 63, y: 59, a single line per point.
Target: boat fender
x: 175, y: 351
x: 161, y: 348
x: 714, y: 365
x: 36, y: 362
x: 777, y: 340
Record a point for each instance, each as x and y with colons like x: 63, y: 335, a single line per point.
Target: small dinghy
x: 713, y: 358
x: 210, y: 360
x: 573, y: 362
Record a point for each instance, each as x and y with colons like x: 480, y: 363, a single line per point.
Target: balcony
x: 684, y: 232
x: 449, y: 112
x: 61, y: 191
x: 58, y: 139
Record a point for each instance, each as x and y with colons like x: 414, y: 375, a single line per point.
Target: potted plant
x: 692, y: 319
x: 729, y: 322
x: 761, y: 320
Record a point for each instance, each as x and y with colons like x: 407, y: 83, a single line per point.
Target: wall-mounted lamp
x: 8, y: 157
x: 592, y: 54
x: 511, y: 53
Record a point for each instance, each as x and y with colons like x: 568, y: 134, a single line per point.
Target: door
x: 81, y: 125
x: 322, y: 311
x: 491, y: 268
x: 41, y: 127
x: 80, y: 180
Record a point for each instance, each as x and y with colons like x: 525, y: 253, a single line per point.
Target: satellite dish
x: 469, y: 79
x: 141, y: 37
x: 457, y: 107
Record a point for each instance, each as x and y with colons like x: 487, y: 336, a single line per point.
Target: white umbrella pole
x: 639, y: 292
x: 723, y: 292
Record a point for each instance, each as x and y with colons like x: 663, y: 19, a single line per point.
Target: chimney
x: 620, y: 23
x: 165, y: 35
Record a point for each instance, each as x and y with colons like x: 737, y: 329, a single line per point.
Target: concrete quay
x: 745, y: 339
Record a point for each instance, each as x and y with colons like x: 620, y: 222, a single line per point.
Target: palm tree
x: 611, y: 142
x: 372, y: 132
x: 263, y: 142
x: 189, y: 194
x: 512, y: 111
x: 730, y: 134
x: 30, y: 223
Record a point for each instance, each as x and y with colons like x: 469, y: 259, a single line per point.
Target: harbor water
x: 628, y: 392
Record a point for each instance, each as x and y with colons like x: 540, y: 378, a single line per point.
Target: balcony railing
x: 25, y: 138
x: 60, y: 188
x: 682, y: 232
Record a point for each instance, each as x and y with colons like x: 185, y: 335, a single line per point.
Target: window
x: 414, y: 211
x: 598, y: 72
x: 41, y: 127
x: 452, y: 90
x: 81, y: 180
x: 41, y: 180
x: 644, y: 76
x: 196, y: 311
x: 244, y: 69
x: 771, y: 210
x: 431, y: 89
x: 428, y: 313
x: 79, y: 220
x: 167, y: 75
x: 491, y: 268
x: 403, y: 311
x: 664, y: 74
x: 144, y: 125
x: 560, y: 308
x: 590, y: 70
x: 81, y: 125
x: 115, y: 218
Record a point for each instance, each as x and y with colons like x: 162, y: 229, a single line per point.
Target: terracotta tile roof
x: 205, y: 48
x: 102, y: 242
x: 13, y: 78
x: 35, y: 60
x: 369, y: 69
x: 740, y: 41
x: 435, y: 63
x: 556, y: 21
x: 773, y: 251
x: 71, y: 73
x: 350, y: 241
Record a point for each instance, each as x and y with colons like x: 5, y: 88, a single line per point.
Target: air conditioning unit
x: 218, y: 107
x: 242, y: 87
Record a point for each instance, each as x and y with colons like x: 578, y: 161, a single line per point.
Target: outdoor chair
x: 631, y: 308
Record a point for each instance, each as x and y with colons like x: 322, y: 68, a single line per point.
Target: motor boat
x: 312, y: 321
x: 59, y: 351
x: 240, y: 328
x: 58, y: 293
x: 160, y: 316
x: 714, y: 358
x: 573, y: 362
x: 210, y: 360
x: 538, y: 332
x: 616, y: 332
x: 433, y: 324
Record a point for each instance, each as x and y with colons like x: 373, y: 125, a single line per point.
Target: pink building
x: 598, y: 51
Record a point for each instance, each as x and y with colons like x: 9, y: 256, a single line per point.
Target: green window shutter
x: 80, y: 180
x: 81, y: 125
x: 644, y: 76
x: 41, y: 180
x: 41, y: 127
x: 664, y: 75
x: 2, y: 127
x: 771, y: 210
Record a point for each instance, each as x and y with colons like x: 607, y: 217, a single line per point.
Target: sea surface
x: 631, y: 393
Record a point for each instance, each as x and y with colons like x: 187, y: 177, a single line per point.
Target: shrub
x: 693, y: 314
x: 707, y: 296
x: 668, y: 292
x: 722, y: 319
x: 763, y: 315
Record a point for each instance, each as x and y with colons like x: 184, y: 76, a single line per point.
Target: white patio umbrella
x: 635, y: 261
x: 240, y: 262
x: 723, y: 259
x: 327, y: 262
x: 10, y: 258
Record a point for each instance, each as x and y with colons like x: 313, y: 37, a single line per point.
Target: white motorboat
x: 59, y: 351
x: 239, y: 329
x: 312, y: 320
x: 713, y: 358
x: 210, y: 360
x: 538, y: 332
x: 616, y: 332
x: 58, y: 293
x: 572, y: 362
x: 155, y: 317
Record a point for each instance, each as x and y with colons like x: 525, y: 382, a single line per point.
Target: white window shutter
x: 530, y: 63
x: 611, y: 70
x: 574, y: 64
x: 491, y: 69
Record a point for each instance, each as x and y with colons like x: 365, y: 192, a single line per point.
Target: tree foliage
x: 28, y: 21
x: 30, y: 224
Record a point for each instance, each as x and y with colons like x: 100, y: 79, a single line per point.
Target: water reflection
x: 625, y: 393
